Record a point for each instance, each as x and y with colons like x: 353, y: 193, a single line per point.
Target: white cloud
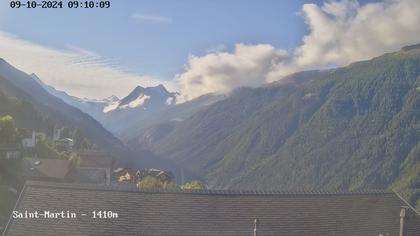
x: 153, y: 18
x: 340, y: 32
x: 219, y: 72
x: 81, y: 51
x: 77, y: 71
x: 218, y: 48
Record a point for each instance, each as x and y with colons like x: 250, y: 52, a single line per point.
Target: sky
x: 198, y: 46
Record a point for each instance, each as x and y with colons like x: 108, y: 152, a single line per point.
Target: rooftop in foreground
x: 210, y: 212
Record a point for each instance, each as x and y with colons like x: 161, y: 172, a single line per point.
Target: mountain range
x: 143, y: 107
x: 93, y: 107
x: 349, y: 128
x: 35, y: 107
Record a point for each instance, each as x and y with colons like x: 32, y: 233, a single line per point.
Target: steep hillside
x: 38, y: 107
x: 93, y: 107
x: 353, y: 127
x: 145, y: 107
x: 133, y: 125
x: 28, y: 116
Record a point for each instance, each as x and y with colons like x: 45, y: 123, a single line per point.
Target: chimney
x: 255, y: 226
x: 403, y: 218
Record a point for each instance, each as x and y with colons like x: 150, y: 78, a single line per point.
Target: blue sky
x: 153, y: 39
x: 155, y: 46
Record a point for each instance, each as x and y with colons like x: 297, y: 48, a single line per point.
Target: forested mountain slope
x: 31, y: 105
x: 348, y: 128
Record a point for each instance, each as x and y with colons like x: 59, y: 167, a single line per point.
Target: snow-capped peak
x: 112, y: 98
x: 137, y: 102
x: 147, y: 98
x: 111, y: 107
x: 170, y: 101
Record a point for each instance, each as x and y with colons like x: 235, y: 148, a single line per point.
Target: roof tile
x: 210, y: 212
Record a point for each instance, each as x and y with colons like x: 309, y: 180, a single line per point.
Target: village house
x: 57, y: 134
x: 164, y: 176
x: 46, y: 169
x: 63, y: 171
x: 95, y: 160
x: 130, y: 211
x: 31, y: 137
x: 65, y: 144
x: 124, y: 175
x: 88, y: 176
x: 10, y: 151
x: 134, y: 176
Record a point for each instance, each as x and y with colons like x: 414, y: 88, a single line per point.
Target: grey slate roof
x: 88, y: 176
x: 35, y: 168
x: 210, y: 213
x: 95, y: 159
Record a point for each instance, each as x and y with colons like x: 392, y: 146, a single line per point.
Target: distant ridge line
x: 411, y: 47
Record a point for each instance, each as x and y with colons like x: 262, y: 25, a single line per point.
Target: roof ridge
x: 17, y: 203
x: 131, y: 188
x: 406, y: 202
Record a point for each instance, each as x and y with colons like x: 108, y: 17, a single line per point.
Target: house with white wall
x: 31, y: 138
